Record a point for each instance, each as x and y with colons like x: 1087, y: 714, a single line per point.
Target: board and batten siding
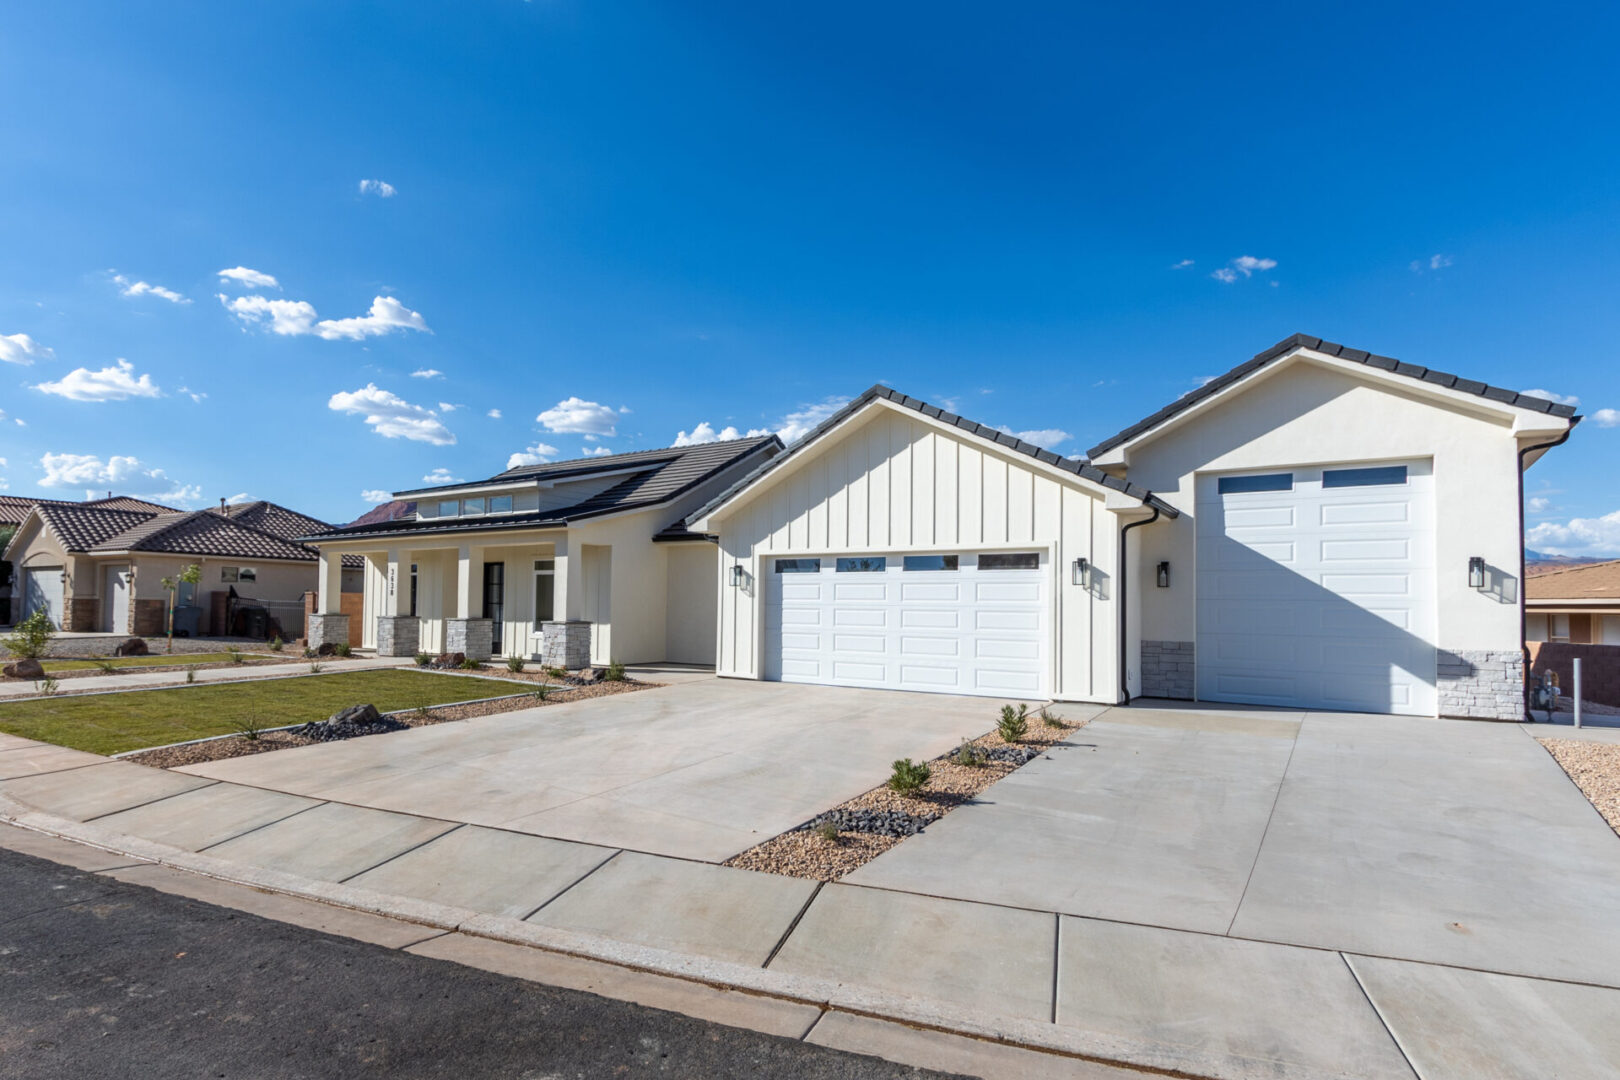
x: 892, y: 482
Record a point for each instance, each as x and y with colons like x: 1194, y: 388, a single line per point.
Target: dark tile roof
x: 275, y: 519
x: 13, y: 508
x: 678, y: 532
x: 1081, y: 468
x: 1343, y: 352
x: 90, y: 529
x: 81, y: 528
x: 661, y: 475
x: 396, y: 510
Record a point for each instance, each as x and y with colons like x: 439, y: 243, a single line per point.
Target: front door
x: 495, y: 601
x: 117, y: 594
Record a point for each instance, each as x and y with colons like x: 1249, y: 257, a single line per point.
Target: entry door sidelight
x: 495, y: 601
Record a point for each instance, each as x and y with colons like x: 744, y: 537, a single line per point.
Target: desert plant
x: 309, y: 652
x: 424, y: 659
x: 1014, y: 722
x: 828, y: 831
x: 542, y: 692
x: 515, y: 664
x: 615, y: 672
x: 342, y: 648
x: 250, y: 727
x: 1049, y: 718
x: 908, y: 776
x: 107, y: 667
x: 190, y: 576
x: 191, y: 675
x: 236, y: 656
x: 315, y: 668
x: 48, y: 685
x: 31, y: 637
x: 968, y: 755
x: 557, y: 672
x: 276, y: 644
x: 470, y: 664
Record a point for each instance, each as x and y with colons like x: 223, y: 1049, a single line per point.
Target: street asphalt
x: 99, y: 978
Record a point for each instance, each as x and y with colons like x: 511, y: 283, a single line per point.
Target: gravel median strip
x: 1595, y: 768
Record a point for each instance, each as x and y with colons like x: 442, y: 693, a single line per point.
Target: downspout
x: 1124, y: 578
x: 1524, y: 646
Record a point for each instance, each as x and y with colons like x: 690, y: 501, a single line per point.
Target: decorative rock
x: 880, y: 822
x: 449, y: 660
x: 131, y: 647
x: 590, y: 675
x: 350, y: 723
x: 356, y: 714
x: 26, y: 668
x: 326, y: 648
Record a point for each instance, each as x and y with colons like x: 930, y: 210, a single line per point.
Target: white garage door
x: 42, y: 590
x: 1316, y: 588
x: 952, y: 624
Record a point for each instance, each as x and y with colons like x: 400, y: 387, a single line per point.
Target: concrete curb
x: 910, y: 1011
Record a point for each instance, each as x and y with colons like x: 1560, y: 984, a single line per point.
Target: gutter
x: 1524, y: 646
x: 1124, y: 580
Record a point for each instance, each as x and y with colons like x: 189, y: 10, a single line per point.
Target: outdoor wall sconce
x: 736, y: 575
x: 1476, y: 572
x: 1164, y: 575
x: 1082, y: 572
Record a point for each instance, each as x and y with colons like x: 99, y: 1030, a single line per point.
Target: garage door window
x: 863, y: 564
x: 798, y: 566
x: 1374, y: 477
x: 1016, y: 560
x: 1234, y: 485
x: 930, y: 562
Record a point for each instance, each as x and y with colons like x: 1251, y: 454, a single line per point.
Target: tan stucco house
x: 1577, y: 604
x: 1320, y: 527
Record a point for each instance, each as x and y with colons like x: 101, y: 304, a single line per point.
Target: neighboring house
x: 13, y: 508
x: 1317, y: 528
x: 99, y: 565
x: 1578, y: 605
x: 571, y: 562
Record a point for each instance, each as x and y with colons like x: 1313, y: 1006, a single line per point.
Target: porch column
x: 469, y: 633
x: 328, y: 626
x: 398, y: 631
x: 566, y: 641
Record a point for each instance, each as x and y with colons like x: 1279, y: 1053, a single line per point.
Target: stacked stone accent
x: 566, y: 644
x: 1167, y: 669
x: 473, y: 638
x: 326, y: 629
x: 81, y: 613
x: 150, y: 617
x: 397, y: 635
x: 1481, y: 684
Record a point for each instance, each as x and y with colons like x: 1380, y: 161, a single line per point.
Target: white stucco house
x: 1320, y: 527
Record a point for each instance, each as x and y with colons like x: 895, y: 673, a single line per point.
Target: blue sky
x: 606, y: 225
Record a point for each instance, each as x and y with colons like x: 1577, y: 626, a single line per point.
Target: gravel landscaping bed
x: 872, y: 823
x: 89, y: 648
x: 142, y: 669
x: 1595, y: 768
x: 169, y: 757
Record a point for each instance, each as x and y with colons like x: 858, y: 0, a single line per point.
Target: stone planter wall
x: 566, y: 645
x: 473, y: 638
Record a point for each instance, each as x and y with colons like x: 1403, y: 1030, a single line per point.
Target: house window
x: 545, y: 591
x: 1016, y: 560
x: 413, y: 589
x: 238, y: 573
x: 863, y: 564
x: 930, y: 562
x: 227, y: 573
x: 500, y: 504
x: 1235, y: 485
x: 798, y: 566
x: 449, y: 508
x: 472, y: 506
x: 247, y: 573
x: 1558, y: 628
x: 1378, y: 476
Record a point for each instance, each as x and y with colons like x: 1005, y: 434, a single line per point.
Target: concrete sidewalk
x: 139, y: 679
x: 1111, y: 989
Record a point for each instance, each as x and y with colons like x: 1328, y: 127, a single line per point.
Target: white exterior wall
x: 1304, y: 414
x: 690, y: 619
x: 892, y: 481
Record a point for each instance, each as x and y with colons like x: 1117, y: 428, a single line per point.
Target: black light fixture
x: 736, y: 575
x: 1476, y: 571
x: 1164, y: 575
x: 1082, y: 572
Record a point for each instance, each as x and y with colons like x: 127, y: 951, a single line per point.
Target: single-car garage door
x: 949, y: 623
x: 42, y: 591
x: 1316, y: 588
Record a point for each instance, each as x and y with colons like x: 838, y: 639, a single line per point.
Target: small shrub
x: 191, y: 675
x: 107, y: 667
x: 342, y: 648
x: 236, y: 656
x: 31, y: 637
x: 309, y: 652
x: 250, y: 727
x: 276, y: 644
x: 908, y: 776
x: 557, y: 672
x: 1049, y: 719
x: 968, y: 755
x: 1014, y: 723
x: 828, y: 831
x: 423, y: 712
x: 470, y: 664
x: 423, y: 659
x: 615, y: 672
x: 515, y: 664
x: 315, y: 668
x: 542, y: 692
x: 48, y: 685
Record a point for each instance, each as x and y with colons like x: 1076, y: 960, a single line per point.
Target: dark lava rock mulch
x: 877, y: 822
x: 350, y: 723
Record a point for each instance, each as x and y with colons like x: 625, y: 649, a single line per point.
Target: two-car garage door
x: 1316, y: 588
x: 949, y: 623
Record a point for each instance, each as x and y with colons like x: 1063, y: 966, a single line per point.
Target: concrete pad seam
x: 266, y: 825
x: 423, y: 941
x: 52, y: 772
x: 407, y: 851
x: 1382, y: 1019
x: 1270, y: 816
x: 159, y: 799
x: 571, y: 884
x: 794, y: 925
x: 1057, y: 956
x: 813, y: 1024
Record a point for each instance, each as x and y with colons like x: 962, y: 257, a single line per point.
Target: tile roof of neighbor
x: 1343, y: 352
x: 388, y: 511
x: 660, y: 476
x: 1595, y: 581
x: 251, y: 534
x: 274, y: 519
x: 1078, y: 466
x: 13, y: 508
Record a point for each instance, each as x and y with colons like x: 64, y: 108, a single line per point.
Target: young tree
x: 190, y: 575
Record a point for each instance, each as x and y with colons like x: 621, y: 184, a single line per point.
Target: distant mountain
x: 1539, y: 562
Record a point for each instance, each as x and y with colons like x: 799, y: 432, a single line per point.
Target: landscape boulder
x: 26, y: 668
x: 131, y: 647
x: 449, y: 660
x: 590, y: 675
x: 356, y: 714
x: 326, y: 648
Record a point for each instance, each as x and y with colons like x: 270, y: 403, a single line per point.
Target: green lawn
x: 114, y: 723
x: 156, y: 660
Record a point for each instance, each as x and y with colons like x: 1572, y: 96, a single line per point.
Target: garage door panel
x: 1014, y: 592
x: 918, y: 591
x: 998, y: 681
x: 990, y: 620
x: 1366, y: 513
x: 875, y: 591
x: 1353, y: 585
x: 926, y: 619
x: 1398, y: 549
x: 861, y: 616
x: 1006, y: 649
x: 792, y: 641
x: 917, y: 676
x: 1262, y: 517
x: 803, y: 669
x: 859, y: 671
x: 929, y: 646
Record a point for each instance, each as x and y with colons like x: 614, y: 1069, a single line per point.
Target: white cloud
x: 576, y: 416
x: 392, y: 417
x: 376, y: 495
x: 1548, y: 395
x: 1184, y: 264
x: 194, y: 395
x: 1433, y: 262
x: 494, y: 414
x: 1606, y: 418
x: 1243, y: 264
x: 181, y: 495
x: 441, y: 475
x: 1042, y: 437
x: 142, y: 288
x: 427, y: 373
x: 1537, y: 504
x: 78, y: 470
x: 286, y: 317
x: 380, y: 188
x: 796, y: 425
x: 22, y: 349
x: 239, y: 498
x: 445, y: 406
x: 252, y: 279
x: 4, y: 483
x: 385, y: 316
x: 538, y: 454
x: 294, y: 318
x: 116, y: 383
x: 1578, y: 536
x: 595, y: 451
x: 705, y: 433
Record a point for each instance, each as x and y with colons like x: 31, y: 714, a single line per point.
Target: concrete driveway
x: 700, y: 770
